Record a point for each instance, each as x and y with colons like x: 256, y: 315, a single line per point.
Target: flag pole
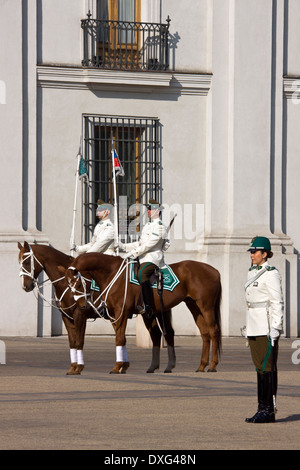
x: 72, y: 239
x: 115, y: 200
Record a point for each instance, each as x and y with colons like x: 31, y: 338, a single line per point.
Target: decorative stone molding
x: 191, y: 83
x: 21, y: 236
x: 51, y: 76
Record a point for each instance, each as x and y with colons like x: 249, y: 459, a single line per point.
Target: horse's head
x: 78, y: 284
x: 30, y: 267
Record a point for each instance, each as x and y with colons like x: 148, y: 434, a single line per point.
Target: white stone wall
x: 230, y: 123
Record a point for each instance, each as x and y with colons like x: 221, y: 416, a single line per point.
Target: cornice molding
x: 79, y: 78
x: 21, y: 236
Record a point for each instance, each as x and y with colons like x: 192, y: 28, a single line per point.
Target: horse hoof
x: 151, y: 370
x: 79, y: 369
x: 120, y: 368
x: 211, y: 370
x: 168, y: 371
x: 124, y: 368
x: 72, y: 370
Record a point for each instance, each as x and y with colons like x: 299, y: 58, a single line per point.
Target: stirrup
x: 140, y: 309
x: 145, y: 311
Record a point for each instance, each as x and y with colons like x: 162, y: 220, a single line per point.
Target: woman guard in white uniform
x: 264, y: 324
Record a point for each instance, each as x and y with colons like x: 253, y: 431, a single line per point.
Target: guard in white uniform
x: 103, y: 236
x: 264, y: 324
x: 150, y: 252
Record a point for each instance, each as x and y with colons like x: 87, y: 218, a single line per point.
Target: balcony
x: 124, y: 45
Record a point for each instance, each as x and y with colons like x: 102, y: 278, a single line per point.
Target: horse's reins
x: 103, y: 303
x: 23, y: 272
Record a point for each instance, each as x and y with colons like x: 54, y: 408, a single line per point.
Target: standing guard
x: 264, y: 299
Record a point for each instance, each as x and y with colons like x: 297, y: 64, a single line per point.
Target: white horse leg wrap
x: 73, y: 355
x: 121, y: 354
x: 80, y: 356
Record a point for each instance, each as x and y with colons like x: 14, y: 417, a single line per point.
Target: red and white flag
x: 117, y: 165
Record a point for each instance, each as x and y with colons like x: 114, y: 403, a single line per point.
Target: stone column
x: 244, y: 171
x: 19, y: 174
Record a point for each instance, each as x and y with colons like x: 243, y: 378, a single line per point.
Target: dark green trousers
x: 145, y: 272
x: 261, y: 353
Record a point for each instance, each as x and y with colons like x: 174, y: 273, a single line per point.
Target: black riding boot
x: 259, y: 398
x: 270, y: 389
x: 148, y: 300
x: 266, y: 411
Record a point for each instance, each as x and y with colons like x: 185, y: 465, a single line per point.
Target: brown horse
x: 33, y: 260
x: 199, y: 288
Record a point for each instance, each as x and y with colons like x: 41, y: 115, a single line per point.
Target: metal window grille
x: 137, y: 142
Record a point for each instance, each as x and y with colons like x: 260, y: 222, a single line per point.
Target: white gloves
x: 128, y: 255
x: 166, y: 244
x: 274, y: 335
x: 121, y: 245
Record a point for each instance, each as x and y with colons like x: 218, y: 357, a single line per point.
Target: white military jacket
x: 151, y: 245
x: 264, y: 300
x: 102, y: 240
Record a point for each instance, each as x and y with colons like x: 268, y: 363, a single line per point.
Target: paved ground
x: 43, y: 409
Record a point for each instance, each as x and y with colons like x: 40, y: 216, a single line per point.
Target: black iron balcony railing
x: 125, y: 45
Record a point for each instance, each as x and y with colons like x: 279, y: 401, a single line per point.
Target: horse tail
x: 218, y: 316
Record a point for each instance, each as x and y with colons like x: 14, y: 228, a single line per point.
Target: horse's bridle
x: 23, y: 271
x: 78, y: 294
x: 74, y: 290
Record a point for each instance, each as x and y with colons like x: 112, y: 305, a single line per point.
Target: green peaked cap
x: 260, y: 243
x: 103, y: 206
x: 153, y: 204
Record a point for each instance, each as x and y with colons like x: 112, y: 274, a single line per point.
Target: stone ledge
x: 50, y: 76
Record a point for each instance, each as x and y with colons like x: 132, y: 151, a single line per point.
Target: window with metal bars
x: 137, y: 142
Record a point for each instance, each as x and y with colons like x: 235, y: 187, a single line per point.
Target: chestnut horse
x: 199, y: 287
x: 33, y: 260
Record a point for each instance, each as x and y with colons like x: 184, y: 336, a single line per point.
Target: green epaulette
x: 268, y: 268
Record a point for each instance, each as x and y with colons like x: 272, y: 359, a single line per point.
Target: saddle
x: 155, y: 280
x: 162, y: 278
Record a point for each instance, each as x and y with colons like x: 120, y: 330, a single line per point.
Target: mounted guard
x: 103, y: 236
x: 149, y: 250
